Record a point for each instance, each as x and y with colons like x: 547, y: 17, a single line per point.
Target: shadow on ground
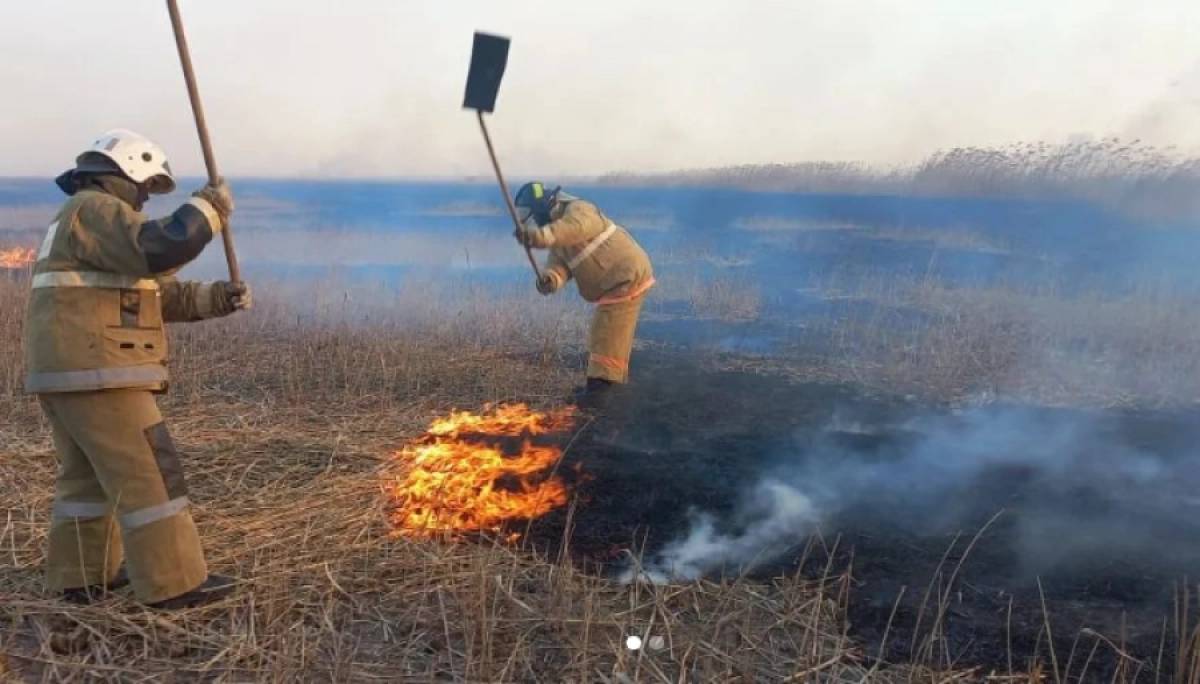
x: 1085, y: 521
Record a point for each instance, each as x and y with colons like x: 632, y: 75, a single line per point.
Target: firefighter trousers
x: 120, y: 489
x: 610, y: 340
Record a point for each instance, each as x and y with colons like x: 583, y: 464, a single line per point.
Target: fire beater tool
x: 489, y: 57
x: 210, y: 162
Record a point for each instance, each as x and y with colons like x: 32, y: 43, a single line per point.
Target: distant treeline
x: 1127, y: 175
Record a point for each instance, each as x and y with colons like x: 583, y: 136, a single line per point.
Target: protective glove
x: 229, y: 297
x: 534, y: 237
x: 218, y: 195
x: 547, y: 284
x: 524, y: 236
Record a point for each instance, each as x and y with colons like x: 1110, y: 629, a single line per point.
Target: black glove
x: 547, y: 284
x: 220, y: 196
x: 229, y: 297
x: 538, y: 238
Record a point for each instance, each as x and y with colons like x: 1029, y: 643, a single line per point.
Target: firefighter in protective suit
x: 96, y: 350
x: 609, y: 267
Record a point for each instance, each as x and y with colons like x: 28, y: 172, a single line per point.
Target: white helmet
x: 137, y: 157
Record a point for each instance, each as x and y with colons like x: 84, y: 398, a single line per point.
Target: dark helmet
x: 534, y: 200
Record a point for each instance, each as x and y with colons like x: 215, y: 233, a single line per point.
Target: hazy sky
x: 374, y: 87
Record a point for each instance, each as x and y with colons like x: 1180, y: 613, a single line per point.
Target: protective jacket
x: 607, y: 264
x: 103, y: 288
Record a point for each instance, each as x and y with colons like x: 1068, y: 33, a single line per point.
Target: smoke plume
x: 1080, y: 491
x: 772, y: 519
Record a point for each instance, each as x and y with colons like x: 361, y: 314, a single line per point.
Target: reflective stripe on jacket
x: 605, y: 261
x: 95, y: 318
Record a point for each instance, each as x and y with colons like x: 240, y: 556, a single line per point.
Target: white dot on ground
x: 633, y: 643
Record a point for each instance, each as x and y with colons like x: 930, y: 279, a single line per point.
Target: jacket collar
x: 73, y: 181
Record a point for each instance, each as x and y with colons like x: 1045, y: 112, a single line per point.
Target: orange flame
x: 461, y: 480
x: 16, y: 257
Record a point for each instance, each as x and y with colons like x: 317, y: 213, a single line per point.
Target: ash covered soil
x: 1006, y: 521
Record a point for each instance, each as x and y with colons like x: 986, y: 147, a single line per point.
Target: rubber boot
x: 596, y: 395
x: 96, y: 592
x: 579, y: 392
x: 215, y: 588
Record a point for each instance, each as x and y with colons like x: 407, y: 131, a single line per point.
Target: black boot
x: 96, y: 592
x: 597, y: 385
x: 596, y: 394
x: 215, y: 588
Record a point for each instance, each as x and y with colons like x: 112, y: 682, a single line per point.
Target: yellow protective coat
x: 96, y: 351
x: 610, y: 269
x: 96, y: 313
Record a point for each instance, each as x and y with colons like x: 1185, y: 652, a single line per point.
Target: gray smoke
x: 1092, y: 492
x: 775, y: 517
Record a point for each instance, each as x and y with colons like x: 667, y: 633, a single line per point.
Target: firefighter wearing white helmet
x: 96, y: 349
x: 609, y: 267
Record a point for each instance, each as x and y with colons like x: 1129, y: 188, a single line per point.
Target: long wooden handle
x: 512, y: 210
x: 210, y: 162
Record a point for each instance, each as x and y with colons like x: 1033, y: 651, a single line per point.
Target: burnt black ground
x: 1105, y: 550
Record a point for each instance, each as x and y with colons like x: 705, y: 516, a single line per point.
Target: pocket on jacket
x: 140, y: 309
x: 137, y: 345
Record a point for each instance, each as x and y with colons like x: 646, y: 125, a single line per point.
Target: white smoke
x: 774, y: 518
x: 922, y: 485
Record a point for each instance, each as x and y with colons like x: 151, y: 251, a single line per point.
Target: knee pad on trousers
x: 166, y: 455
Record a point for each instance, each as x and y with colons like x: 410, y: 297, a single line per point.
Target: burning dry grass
x: 288, y: 429
x: 13, y: 258
x: 288, y: 418
x: 474, y: 472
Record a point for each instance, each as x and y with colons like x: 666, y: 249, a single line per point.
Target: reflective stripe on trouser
x: 84, y: 540
x: 610, y: 341
x: 113, y: 447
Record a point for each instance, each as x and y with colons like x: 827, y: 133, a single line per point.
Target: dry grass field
x: 289, y: 422
x: 292, y: 418
x: 288, y: 428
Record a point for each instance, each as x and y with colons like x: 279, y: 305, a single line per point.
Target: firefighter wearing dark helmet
x: 609, y: 267
x: 95, y: 352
